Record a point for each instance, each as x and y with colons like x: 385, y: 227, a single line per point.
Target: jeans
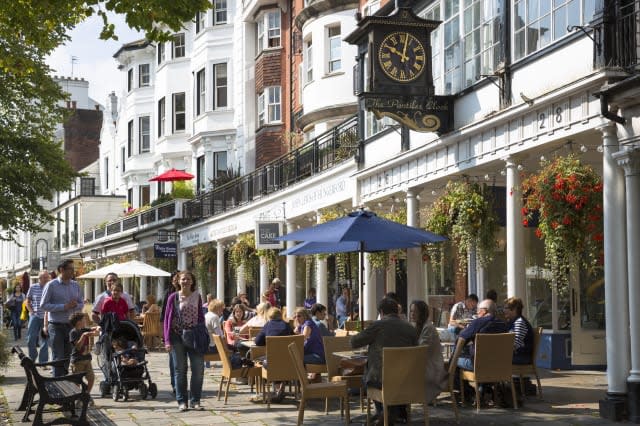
x: 172, y: 373
x: 341, y: 320
x: 60, y: 347
x: 465, y: 363
x: 313, y: 359
x: 17, y: 323
x: 179, y: 354
x: 33, y: 334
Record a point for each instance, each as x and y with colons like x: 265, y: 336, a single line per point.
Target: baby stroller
x: 120, y: 378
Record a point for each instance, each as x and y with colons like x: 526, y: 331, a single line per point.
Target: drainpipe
x: 604, y: 110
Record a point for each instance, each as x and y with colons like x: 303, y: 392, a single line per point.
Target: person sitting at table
x: 437, y: 378
x: 151, y: 305
x: 260, y: 318
x: 487, y: 322
x: 276, y: 326
x: 233, y: 324
x: 343, y: 306
x: 319, y: 316
x: 463, y: 310
x: 116, y: 303
x: 311, y: 298
x: 313, y: 346
x: 387, y: 332
x: 213, y: 321
x: 523, y: 343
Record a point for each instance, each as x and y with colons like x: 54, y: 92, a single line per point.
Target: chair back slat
x: 335, y: 344
x: 151, y: 325
x: 254, y: 331
x: 298, y: 365
x: 278, y: 360
x: 493, y: 355
x: 224, y: 356
x: 403, y: 374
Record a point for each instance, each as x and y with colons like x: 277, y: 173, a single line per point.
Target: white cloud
x: 94, y: 57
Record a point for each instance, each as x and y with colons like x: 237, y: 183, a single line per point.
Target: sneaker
x: 197, y: 406
x: 182, y: 407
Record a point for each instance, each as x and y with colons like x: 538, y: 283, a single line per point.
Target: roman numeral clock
x: 394, y: 73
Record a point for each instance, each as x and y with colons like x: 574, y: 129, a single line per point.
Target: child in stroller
x: 122, y: 360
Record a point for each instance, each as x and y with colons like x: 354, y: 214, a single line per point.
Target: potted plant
x: 565, y: 197
x: 464, y: 214
x: 204, y: 259
x: 243, y: 254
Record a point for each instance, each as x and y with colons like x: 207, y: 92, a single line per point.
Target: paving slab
x: 570, y: 398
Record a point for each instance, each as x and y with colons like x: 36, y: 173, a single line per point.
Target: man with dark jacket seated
x: 387, y: 332
x: 487, y: 322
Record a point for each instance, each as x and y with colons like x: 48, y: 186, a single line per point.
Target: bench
x: 61, y: 391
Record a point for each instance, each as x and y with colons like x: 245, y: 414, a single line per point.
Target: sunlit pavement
x: 570, y: 398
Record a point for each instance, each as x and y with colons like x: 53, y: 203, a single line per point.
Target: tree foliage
x: 33, y: 167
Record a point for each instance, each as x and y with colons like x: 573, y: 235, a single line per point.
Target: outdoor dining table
x: 353, y: 354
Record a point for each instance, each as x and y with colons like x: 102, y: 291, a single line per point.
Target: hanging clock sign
x: 394, y: 71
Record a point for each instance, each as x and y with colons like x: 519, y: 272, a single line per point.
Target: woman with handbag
x: 15, y: 307
x: 183, y: 318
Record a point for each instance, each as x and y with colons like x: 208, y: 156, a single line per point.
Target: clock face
x: 401, y: 56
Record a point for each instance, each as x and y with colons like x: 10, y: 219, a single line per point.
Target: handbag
x: 196, y: 337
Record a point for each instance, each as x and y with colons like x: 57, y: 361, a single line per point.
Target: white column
x: 472, y: 278
x: 515, y: 235
x: 97, y: 287
x: 415, y: 282
x: 126, y: 286
x: 322, y: 290
x: 615, y: 266
x: 182, y: 259
x: 208, y: 166
x: 391, y: 275
x: 220, y: 271
x: 87, y: 290
x: 481, y: 274
x: 143, y: 280
x: 160, y: 286
x: 264, y: 277
x: 291, y: 276
x: 241, y: 280
x: 630, y: 160
x: 368, y: 299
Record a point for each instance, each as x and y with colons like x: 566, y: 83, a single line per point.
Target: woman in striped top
x: 523, y: 343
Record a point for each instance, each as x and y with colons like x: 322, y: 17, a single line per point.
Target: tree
x: 32, y: 165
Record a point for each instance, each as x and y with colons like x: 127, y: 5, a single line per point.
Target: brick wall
x: 82, y: 137
x: 268, y: 144
x: 269, y: 70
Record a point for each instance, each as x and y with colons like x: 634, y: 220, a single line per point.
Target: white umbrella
x: 132, y: 268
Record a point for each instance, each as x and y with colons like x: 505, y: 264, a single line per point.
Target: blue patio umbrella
x: 361, y: 231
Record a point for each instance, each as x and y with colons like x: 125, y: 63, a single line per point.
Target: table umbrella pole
x: 361, y: 284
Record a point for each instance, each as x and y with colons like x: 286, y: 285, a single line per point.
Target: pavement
x: 570, y: 398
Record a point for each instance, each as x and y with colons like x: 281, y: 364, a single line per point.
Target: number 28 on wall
x: 557, y: 117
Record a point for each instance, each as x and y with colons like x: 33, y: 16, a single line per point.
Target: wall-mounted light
x: 583, y: 148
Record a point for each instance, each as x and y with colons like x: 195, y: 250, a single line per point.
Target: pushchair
x: 120, y: 378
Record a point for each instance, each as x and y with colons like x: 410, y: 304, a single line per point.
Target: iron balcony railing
x: 155, y: 216
x: 625, y: 35
x: 323, y: 152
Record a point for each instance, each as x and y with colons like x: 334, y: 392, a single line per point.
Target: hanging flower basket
x: 464, y: 214
x: 381, y: 261
x: 566, y: 198
x: 243, y: 254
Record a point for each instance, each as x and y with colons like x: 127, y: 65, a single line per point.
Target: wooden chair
x: 403, y: 380
x: 229, y: 372
x: 278, y: 368
x: 522, y: 370
x: 317, y: 390
x: 209, y: 356
x: 254, y: 331
x: 491, y: 363
x: 338, y: 344
x: 151, y: 329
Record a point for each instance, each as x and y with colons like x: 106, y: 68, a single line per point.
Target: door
x: 587, y: 318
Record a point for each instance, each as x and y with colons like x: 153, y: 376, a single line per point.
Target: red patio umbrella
x: 172, y: 175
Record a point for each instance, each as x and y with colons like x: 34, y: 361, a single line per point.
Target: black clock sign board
x: 395, y: 71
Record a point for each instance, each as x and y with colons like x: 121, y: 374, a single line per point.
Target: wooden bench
x: 61, y: 391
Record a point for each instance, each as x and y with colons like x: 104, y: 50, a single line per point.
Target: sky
x: 94, y: 57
